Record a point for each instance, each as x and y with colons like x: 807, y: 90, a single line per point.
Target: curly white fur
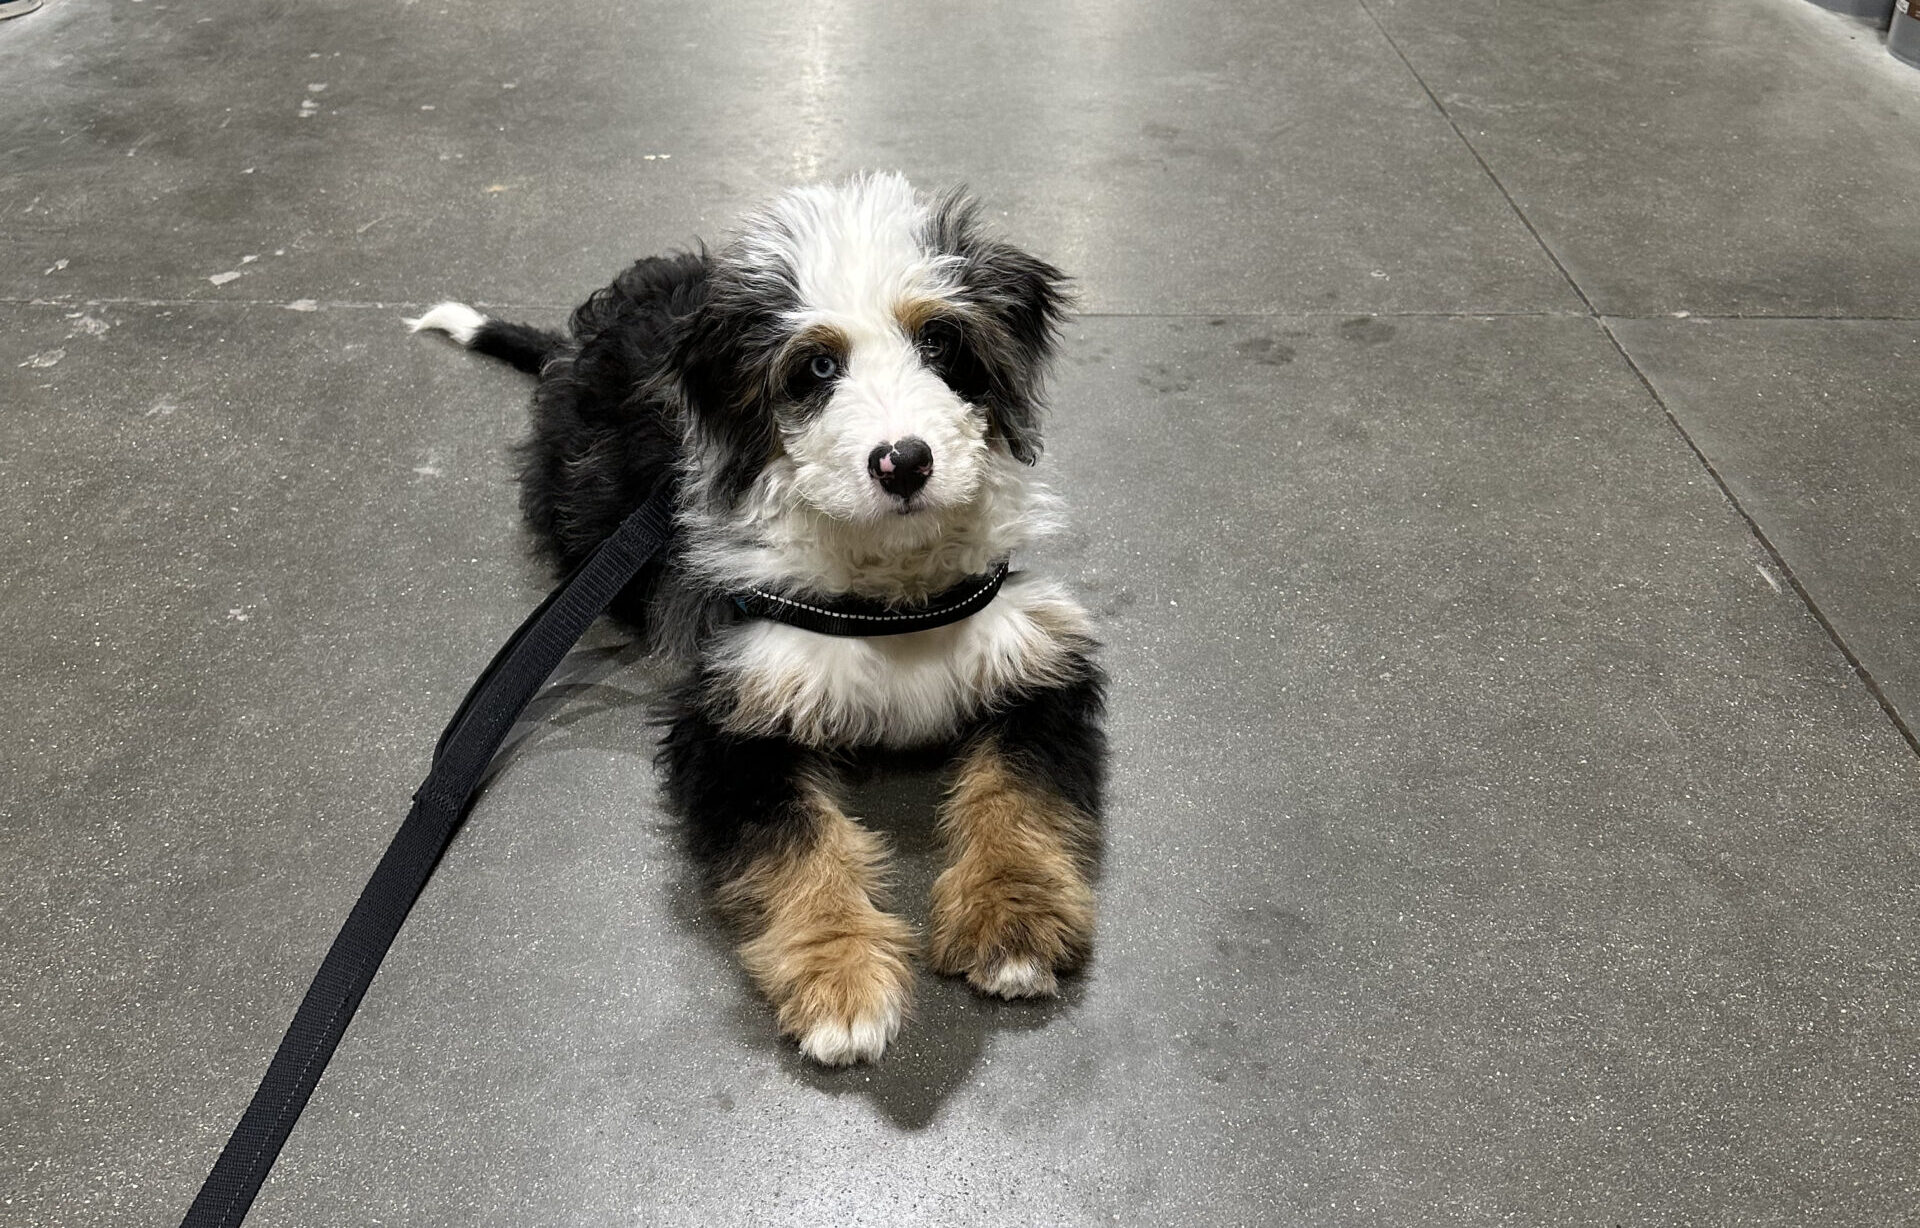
x: 898, y: 690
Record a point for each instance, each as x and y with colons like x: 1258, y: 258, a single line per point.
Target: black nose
x: 901, y: 467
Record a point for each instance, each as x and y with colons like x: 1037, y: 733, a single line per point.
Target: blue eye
x: 823, y: 367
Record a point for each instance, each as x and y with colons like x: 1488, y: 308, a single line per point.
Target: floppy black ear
x: 1017, y: 302
x: 722, y: 351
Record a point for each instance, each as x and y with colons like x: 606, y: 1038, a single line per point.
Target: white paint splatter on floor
x: 46, y: 358
x: 221, y: 279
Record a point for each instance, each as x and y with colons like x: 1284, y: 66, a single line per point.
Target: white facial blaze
x: 885, y: 395
x: 854, y: 254
x: 853, y: 249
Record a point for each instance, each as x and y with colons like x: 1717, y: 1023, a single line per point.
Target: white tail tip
x: 456, y: 320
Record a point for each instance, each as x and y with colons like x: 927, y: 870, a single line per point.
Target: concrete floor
x: 1492, y: 433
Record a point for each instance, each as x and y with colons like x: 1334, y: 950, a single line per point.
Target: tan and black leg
x: 1014, y: 907
x: 800, y: 879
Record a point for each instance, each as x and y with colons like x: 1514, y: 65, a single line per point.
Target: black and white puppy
x: 846, y: 398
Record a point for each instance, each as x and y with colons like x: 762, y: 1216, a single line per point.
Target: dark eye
x: 943, y: 347
x: 823, y: 367
x: 939, y: 342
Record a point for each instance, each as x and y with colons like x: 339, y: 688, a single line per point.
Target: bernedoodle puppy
x: 845, y: 399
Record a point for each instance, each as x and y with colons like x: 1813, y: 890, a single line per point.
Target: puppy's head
x: 870, y: 350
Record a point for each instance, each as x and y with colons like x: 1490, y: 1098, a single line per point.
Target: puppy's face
x: 869, y: 353
x: 879, y: 410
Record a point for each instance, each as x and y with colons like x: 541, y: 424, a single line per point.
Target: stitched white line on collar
x: 993, y: 579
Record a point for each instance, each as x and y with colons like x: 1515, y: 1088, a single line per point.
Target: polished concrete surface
x: 1491, y: 434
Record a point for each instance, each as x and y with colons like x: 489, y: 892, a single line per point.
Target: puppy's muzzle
x: 901, y: 467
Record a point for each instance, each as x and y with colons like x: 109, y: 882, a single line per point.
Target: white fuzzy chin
x: 776, y: 538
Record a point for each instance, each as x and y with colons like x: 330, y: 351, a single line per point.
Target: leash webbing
x: 460, y: 761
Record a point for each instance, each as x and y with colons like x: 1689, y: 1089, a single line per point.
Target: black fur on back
x: 606, y: 423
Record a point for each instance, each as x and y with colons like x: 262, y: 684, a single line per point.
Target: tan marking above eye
x: 801, y: 348
x: 914, y: 314
x: 811, y: 340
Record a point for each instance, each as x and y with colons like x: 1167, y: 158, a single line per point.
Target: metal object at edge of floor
x: 1878, y: 12
x: 1903, y: 36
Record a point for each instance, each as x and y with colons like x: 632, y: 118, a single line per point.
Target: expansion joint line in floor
x: 1223, y: 313
x: 1812, y: 607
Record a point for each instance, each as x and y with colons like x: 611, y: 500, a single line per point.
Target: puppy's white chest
x: 899, y: 690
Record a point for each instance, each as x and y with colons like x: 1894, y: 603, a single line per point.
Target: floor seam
x: 1759, y: 535
x: 307, y: 304
x: 1853, y: 660
x: 1310, y: 313
x: 1441, y: 109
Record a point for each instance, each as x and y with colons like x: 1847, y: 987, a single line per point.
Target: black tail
x: 519, y: 345
x: 522, y: 345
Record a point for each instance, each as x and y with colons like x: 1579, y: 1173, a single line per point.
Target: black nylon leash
x: 460, y: 760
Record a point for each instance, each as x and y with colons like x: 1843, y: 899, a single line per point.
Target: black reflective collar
x: 864, y: 616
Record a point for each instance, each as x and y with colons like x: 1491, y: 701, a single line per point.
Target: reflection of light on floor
x: 819, y: 94
x: 1076, y: 96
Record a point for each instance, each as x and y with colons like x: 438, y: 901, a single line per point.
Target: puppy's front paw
x: 841, y: 990
x: 1015, y: 978
x: 1011, y: 932
x: 840, y: 1041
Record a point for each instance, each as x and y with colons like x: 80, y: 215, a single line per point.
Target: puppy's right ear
x: 722, y: 353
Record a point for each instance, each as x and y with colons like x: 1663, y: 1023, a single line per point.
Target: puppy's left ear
x: 1018, y: 302
x: 1028, y: 299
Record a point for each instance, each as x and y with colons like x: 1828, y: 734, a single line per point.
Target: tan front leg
x: 835, y: 966
x: 1013, y: 907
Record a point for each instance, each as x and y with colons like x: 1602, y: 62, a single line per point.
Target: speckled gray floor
x: 1492, y: 434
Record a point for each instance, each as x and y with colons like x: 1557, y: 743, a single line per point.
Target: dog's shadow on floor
x: 608, y: 671
x: 949, y: 1029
